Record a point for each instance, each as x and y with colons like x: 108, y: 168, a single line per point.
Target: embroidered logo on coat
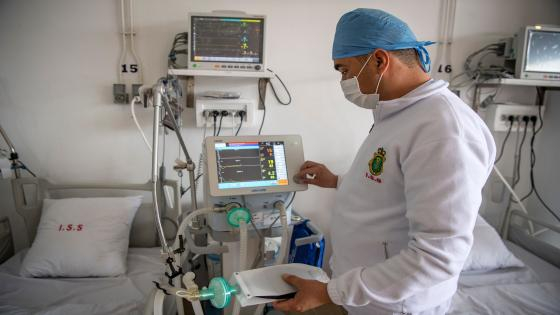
x: 376, y: 163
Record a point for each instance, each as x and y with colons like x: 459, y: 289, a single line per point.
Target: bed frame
x: 28, y: 201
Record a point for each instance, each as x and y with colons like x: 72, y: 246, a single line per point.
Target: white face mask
x: 352, y: 92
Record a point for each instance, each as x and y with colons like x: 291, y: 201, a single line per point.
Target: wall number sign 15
x: 132, y: 68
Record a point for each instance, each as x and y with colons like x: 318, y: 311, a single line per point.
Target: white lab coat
x: 401, y: 232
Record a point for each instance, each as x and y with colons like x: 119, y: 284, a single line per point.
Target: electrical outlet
x: 501, y: 113
x: 205, y: 106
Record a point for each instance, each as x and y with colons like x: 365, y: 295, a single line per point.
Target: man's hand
x: 311, y: 294
x: 316, y: 174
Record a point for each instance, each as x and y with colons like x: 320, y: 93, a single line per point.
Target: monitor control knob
x: 257, y: 67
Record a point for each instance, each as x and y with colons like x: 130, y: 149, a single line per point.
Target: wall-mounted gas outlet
x: 119, y: 94
x: 501, y: 115
x: 136, y: 89
x: 205, y: 106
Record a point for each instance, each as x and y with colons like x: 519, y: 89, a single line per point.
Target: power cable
x: 505, y: 140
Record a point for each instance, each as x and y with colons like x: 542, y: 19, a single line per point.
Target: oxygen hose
x: 149, y: 307
x: 516, y: 197
x: 191, y: 286
x: 238, y: 217
x: 197, y: 307
x: 133, y: 112
x: 243, y: 245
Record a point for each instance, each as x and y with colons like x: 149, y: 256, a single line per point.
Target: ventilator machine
x: 248, y: 186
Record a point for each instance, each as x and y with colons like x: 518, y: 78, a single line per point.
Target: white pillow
x: 81, y: 237
x: 488, y: 251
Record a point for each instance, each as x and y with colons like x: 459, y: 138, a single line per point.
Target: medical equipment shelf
x: 522, y: 82
x: 220, y: 73
x: 540, y: 84
x: 190, y: 74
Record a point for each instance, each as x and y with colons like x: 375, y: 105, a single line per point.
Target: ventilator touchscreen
x: 251, y: 164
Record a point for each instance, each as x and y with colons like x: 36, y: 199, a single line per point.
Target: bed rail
x: 6, y: 243
x: 529, y: 241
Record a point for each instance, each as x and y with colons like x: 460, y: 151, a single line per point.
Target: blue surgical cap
x: 361, y: 31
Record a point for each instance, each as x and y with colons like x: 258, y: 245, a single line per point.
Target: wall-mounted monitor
x: 538, y: 53
x: 226, y: 41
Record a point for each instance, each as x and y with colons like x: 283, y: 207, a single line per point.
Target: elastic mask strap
x: 379, y: 82
x: 364, y: 65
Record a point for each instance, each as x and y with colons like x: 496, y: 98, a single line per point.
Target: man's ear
x: 382, y: 59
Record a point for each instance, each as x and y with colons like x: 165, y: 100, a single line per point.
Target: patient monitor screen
x: 251, y: 164
x: 543, y: 52
x: 227, y: 39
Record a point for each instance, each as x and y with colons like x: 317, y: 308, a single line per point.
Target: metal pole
x: 192, y: 179
x: 476, y: 97
x: 157, y: 92
x: 13, y: 154
x: 7, y: 139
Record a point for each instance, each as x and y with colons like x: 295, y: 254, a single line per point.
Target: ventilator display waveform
x: 239, y: 165
x: 251, y: 162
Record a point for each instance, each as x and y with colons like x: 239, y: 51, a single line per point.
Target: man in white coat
x: 402, y: 225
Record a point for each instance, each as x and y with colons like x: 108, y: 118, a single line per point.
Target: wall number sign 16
x: 446, y: 69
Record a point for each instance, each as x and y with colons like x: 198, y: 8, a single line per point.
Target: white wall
x: 58, y: 62
x: 547, y: 172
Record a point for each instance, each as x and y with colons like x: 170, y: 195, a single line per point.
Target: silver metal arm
x: 13, y: 154
x: 190, y: 164
x: 7, y: 139
x: 165, y: 100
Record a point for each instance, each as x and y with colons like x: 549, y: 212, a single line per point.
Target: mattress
x: 118, y: 295
x: 534, y: 289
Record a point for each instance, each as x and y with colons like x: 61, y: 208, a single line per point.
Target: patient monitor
x: 230, y: 41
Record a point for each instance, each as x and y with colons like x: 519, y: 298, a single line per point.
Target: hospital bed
x: 125, y: 294
x: 534, y: 289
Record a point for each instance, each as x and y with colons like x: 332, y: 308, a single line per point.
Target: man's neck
x: 405, y: 84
